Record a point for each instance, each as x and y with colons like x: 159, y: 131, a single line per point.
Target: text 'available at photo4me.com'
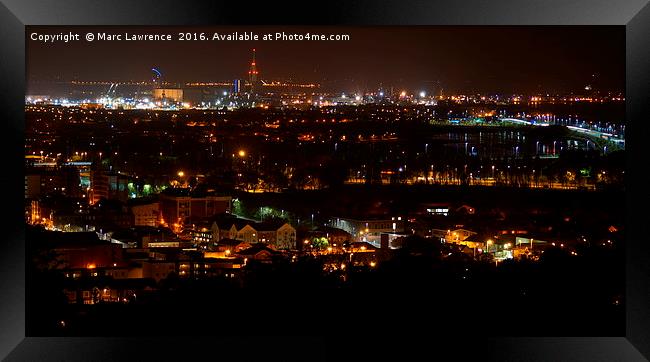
x: 186, y: 36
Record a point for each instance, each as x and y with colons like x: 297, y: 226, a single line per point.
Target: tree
x: 276, y: 179
x: 320, y: 243
x: 299, y: 178
x: 333, y: 174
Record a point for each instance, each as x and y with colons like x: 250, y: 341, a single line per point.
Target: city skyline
x: 451, y: 59
x: 207, y: 182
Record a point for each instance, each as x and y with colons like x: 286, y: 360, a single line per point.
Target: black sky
x: 458, y: 59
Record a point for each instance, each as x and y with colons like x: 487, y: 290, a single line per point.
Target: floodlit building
x: 277, y: 234
x: 181, y: 206
x: 108, y: 185
x: 146, y: 214
x: 458, y: 235
x: 168, y: 94
x: 369, y: 230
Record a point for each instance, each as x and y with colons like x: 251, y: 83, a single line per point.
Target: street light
x: 242, y: 153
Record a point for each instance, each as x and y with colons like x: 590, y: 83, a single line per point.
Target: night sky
x: 458, y: 59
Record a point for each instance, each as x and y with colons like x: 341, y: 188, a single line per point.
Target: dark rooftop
x: 269, y: 225
x: 230, y: 242
x: 225, y: 221
x: 192, y: 192
x: 63, y: 239
x: 256, y: 249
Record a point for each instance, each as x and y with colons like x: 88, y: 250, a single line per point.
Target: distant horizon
x: 456, y: 59
x: 318, y: 88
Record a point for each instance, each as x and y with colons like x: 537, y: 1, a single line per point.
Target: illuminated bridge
x: 53, y: 164
x: 521, y: 121
x: 589, y: 132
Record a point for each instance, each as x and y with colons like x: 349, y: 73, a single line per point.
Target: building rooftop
x: 196, y: 192
x: 226, y: 221
x: 256, y: 249
x: 269, y: 225
x: 58, y: 239
x: 229, y: 242
x: 359, y: 244
x: 109, y: 282
x: 363, y: 218
x: 142, y: 201
x: 328, y: 229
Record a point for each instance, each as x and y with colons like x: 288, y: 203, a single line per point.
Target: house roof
x: 109, y: 282
x: 142, y: 201
x: 226, y: 221
x: 196, y: 192
x: 230, y: 242
x: 461, y: 229
x: 359, y: 244
x: 58, y: 239
x: 364, y: 217
x: 330, y: 230
x: 270, y: 225
x: 256, y: 249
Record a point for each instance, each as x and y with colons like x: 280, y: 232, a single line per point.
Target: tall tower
x: 252, y: 73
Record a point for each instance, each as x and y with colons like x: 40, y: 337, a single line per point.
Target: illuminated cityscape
x: 168, y: 189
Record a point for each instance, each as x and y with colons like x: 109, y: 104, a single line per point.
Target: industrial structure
x: 252, y: 74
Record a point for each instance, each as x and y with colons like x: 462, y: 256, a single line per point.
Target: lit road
x: 484, y: 182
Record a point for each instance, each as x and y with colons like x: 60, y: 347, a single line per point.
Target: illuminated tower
x: 252, y: 73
